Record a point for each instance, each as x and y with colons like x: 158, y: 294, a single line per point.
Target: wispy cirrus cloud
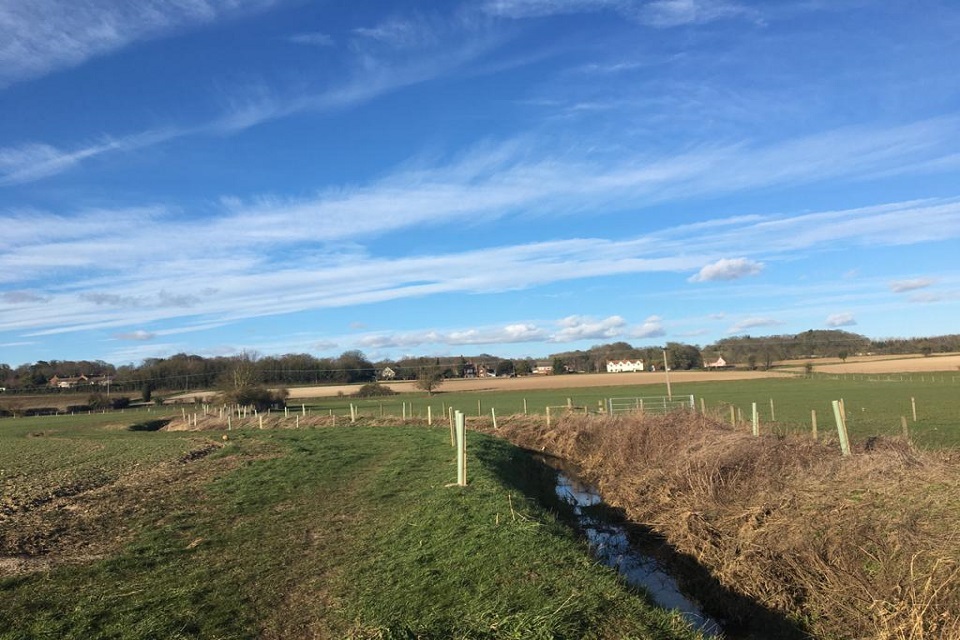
x: 22, y: 297
x: 41, y: 36
x: 912, y: 284
x: 377, y: 75
x: 507, y: 334
x: 34, y: 161
x: 314, y: 39
x: 674, y: 13
x: 653, y: 13
x: 236, y: 246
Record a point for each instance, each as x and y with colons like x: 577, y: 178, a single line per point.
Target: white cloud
x: 753, y: 323
x: 902, y: 286
x: 652, y: 327
x: 40, y: 36
x: 841, y: 320
x: 565, y: 330
x: 728, y: 269
x: 508, y: 334
x: 575, y: 328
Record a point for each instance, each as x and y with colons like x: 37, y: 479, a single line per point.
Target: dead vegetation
x: 858, y: 547
x: 89, y: 519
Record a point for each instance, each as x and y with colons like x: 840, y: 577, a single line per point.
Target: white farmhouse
x: 624, y: 366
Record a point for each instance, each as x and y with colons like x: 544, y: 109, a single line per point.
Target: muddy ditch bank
x: 860, y: 547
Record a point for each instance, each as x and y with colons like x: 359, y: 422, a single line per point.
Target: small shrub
x: 120, y: 403
x: 374, y: 390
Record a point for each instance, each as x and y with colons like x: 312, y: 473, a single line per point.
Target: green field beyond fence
x: 875, y: 405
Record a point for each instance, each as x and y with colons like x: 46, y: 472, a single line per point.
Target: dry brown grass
x: 858, y: 547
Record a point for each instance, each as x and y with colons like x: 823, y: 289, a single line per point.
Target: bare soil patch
x: 529, y: 383
x: 883, y: 364
x: 77, y: 524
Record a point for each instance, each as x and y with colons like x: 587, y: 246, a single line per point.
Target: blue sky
x: 519, y: 177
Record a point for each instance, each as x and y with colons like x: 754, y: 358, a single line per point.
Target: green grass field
x: 287, y: 534
x: 874, y: 404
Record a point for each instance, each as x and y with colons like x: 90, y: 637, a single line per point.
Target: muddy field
x: 885, y: 364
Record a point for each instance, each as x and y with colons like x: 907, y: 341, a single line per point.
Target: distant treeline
x: 760, y: 351
x: 183, y: 372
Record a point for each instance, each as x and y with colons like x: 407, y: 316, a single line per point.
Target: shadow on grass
x: 150, y: 425
x: 534, y: 474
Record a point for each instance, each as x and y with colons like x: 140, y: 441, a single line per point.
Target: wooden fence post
x: 548, y: 416
x: 733, y: 416
x: 493, y: 414
x: 756, y: 421
x: 903, y: 427
x: 453, y: 437
x: 773, y: 414
x: 429, y: 416
x: 813, y: 422
x: 524, y: 406
x: 913, y: 405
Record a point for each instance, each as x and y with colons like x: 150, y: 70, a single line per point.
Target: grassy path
x: 328, y: 533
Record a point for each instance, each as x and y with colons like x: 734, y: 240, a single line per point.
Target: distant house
x: 387, y: 374
x: 719, y: 363
x: 469, y: 370
x: 543, y: 369
x: 624, y: 366
x: 68, y: 382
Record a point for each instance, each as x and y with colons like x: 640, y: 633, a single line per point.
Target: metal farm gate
x: 654, y: 404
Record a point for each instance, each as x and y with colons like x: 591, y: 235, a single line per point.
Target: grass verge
x: 326, y: 533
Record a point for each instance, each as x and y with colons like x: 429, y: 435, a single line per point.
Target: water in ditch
x: 611, y: 545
